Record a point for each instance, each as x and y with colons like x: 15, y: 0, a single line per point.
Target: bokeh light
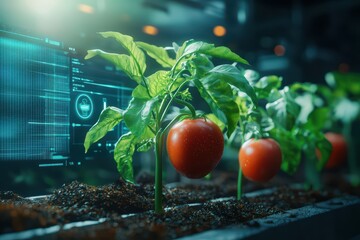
x: 150, y: 30
x: 279, y: 50
x: 219, y: 31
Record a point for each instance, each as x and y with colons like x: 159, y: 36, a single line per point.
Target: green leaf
x: 127, y: 42
x: 252, y: 130
x: 251, y: 75
x: 211, y: 50
x: 318, y: 118
x: 200, y: 65
x: 224, y: 53
x: 108, y: 119
x: 158, y: 83
x: 145, y: 145
x: 305, y: 87
x: 218, y: 94
x: 325, y: 148
x: 215, y: 120
x: 197, y: 46
x: 124, y: 150
x: 140, y: 92
x: 138, y: 115
x: 348, y: 83
x: 347, y: 111
x: 133, y: 64
x: 159, y: 54
x: 284, y: 111
x: 266, y: 124
x: 123, y: 62
x: 180, y: 50
x: 234, y: 77
x: 266, y: 84
x: 305, y: 101
x: 291, y: 148
x: 176, y: 48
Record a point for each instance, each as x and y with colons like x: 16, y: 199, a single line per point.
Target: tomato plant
x: 342, y: 97
x: 283, y: 115
x: 181, y: 67
x: 195, y: 147
x: 260, y: 159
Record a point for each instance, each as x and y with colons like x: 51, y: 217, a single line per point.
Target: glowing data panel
x: 34, y: 101
x: 94, y: 89
x: 50, y: 97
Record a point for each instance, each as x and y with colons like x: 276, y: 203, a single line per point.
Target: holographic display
x: 50, y: 97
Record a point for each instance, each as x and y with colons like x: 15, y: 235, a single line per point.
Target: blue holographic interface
x: 50, y: 97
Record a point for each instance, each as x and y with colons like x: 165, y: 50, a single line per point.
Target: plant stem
x: 312, y: 176
x: 174, y: 121
x: 175, y: 65
x: 188, y: 105
x: 239, y: 184
x: 164, y: 107
x: 158, y: 172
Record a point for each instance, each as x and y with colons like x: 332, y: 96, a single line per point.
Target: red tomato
x: 260, y: 159
x: 195, y: 147
x: 339, y: 150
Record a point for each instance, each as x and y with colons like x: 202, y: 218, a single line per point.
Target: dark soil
x: 78, y: 202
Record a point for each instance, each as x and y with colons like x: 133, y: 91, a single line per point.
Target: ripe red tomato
x: 339, y: 150
x: 260, y: 159
x: 195, y: 147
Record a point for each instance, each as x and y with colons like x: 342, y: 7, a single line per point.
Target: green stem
x: 163, y: 109
x: 175, y: 65
x: 158, y: 172
x: 188, y: 105
x: 312, y: 176
x: 174, y: 121
x: 239, y: 184
x: 174, y: 80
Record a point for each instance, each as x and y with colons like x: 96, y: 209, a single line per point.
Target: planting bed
x: 124, y: 211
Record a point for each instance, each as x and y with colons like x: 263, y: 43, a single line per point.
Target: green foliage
x: 159, y: 54
x: 266, y: 85
x: 138, y: 115
x: 109, y: 118
x: 291, y: 148
x: 154, y: 95
x: 218, y: 95
x: 284, y: 110
x: 123, y: 153
x: 292, y: 115
x: 344, y: 84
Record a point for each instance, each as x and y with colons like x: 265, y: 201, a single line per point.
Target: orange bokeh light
x: 150, y: 30
x: 86, y: 8
x: 219, y: 31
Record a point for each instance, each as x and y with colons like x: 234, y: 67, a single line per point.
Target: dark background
x: 318, y: 35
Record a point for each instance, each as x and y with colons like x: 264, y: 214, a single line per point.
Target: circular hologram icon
x: 84, y: 106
